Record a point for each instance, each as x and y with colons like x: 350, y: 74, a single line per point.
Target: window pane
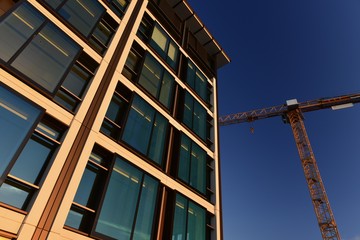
x: 76, y: 80
x: 179, y: 228
x: 184, y: 160
x: 16, y: 28
x: 119, y: 206
x: 65, y: 100
x: 74, y: 219
x: 198, y: 168
x: 47, y: 57
x: 199, y: 121
x: 146, y: 210
x: 117, y: 109
x: 54, y: 3
x: 190, y: 77
x: 82, y: 14
x: 17, y: 118
x: 86, y: 185
x: 139, y: 125
x: 14, y: 194
x: 196, y: 222
x: 158, y: 138
x: 102, y: 33
x: 201, y: 86
x: 188, y: 110
x: 167, y: 84
x: 172, y: 52
x: 151, y: 74
x: 159, y: 38
x: 34, y: 156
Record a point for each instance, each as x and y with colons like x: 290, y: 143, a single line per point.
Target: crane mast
x: 292, y: 113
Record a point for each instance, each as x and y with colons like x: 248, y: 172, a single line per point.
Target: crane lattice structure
x: 292, y: 113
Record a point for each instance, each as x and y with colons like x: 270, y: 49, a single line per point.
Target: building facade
x: 108, y: 121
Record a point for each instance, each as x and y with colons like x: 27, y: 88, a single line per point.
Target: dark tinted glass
x: 82, y: 14
x: 48, y: 56
x: 18, y: 117
x: 16, y: 28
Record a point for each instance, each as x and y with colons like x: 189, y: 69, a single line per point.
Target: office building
x: 108, y: 121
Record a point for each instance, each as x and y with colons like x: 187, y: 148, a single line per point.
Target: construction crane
x: 292, y: 113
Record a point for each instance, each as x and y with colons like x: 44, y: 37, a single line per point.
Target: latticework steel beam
x: 316, y: 187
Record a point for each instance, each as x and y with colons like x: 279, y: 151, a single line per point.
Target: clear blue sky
x: 281, y: 49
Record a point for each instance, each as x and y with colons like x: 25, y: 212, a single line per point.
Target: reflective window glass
x: 192, y: 164
x: 180, y: 215
x: 122, y: 209
x: 48, y: 56
x: 82, y: 14
x: 196, y: 222
x: 157, y: 81
x: 145, y: 215
x: 139, y: 124
x: 119, y: 6
x: 20, y: 183
x: 158, y: 138
x: 164, y: 46
x: 16, y: 28
x: 15, y: 193
x: 195, y: 116
x: 54, y: 3
x: 34, y: 156
x: 146, y: 130
x: 189, y: 220
x: 197, y: 81
x: 17, y: 118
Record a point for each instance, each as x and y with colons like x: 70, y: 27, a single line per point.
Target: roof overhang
x: 198, y: 29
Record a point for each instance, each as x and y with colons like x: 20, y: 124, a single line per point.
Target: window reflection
x: 18, y: 117
x: 189, y: 220
x: 127, y: 210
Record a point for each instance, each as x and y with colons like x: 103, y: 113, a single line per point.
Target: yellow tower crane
x: 292, y: 113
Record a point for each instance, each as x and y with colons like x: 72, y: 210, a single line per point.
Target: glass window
x: 82, y: 14
x: 146, y: 130
x: 192, y: 164
x: 20, y: 183
x: 189, y: 220
x: 17, y: 119
x: 164, y: 46
x: 119, y: 6
x: 89, y: 18
x: 197, y: 81
x: 195, y: 116
x: 73, y: 87
x: 127, y: 210
x: 116, y: 112
x: 17, y: 28
x: 47, y: 57
x: 157, y: 81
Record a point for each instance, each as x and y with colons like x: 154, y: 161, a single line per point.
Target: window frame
x: 164, y: 73
x: 89, y: 225
x: 189, y: 172
x: 27, y: 135
x: 90, y: 39
x: 45, y: 23
x: 46, y: 141
x: 186, y: 226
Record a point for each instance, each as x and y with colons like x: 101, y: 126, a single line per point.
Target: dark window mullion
x: 27, y: 42
x: 187, y: 218
x: 137, y: 207
x: 102, y: 197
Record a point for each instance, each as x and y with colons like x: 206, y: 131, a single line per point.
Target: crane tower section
x: 291, y: 113
x: 316, y: 187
